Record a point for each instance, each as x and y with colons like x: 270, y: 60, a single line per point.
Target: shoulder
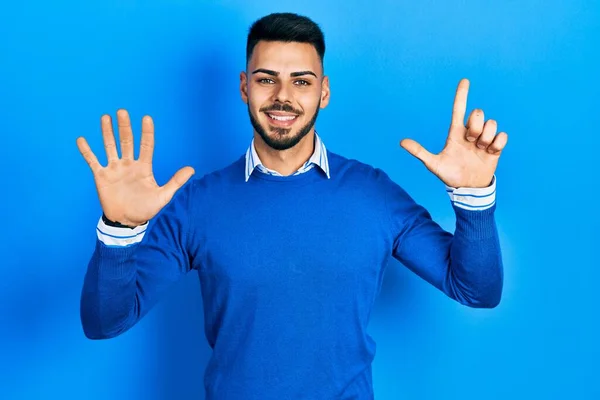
x: 231, y: 174
x: 198, y: 191
x: 373, y: 182
x: 354, y: 170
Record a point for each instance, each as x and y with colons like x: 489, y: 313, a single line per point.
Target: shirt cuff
x: 476, y: 199
x: 120, y: 237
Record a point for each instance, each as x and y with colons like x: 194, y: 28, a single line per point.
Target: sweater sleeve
x: 466, y: 265
x: 130, y: 268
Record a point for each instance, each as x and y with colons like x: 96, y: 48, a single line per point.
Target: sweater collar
x: 318, y: 158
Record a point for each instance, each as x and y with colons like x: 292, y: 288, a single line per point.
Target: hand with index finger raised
x: 470, y: 155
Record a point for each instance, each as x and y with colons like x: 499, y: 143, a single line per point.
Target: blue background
x: 393, y: 67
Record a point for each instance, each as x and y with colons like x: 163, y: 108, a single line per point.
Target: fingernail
x: 470, y: 138
x: 481, y: 146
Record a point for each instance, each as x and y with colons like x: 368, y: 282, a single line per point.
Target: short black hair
x: 286, y: 27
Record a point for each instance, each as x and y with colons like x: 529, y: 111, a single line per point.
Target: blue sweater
x: 289, y: 269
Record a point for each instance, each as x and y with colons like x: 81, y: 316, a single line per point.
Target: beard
x: 283, y: 138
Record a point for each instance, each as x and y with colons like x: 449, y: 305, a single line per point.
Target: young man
x: 290, y: 241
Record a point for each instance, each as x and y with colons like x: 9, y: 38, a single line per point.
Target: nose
x: 282, y: 94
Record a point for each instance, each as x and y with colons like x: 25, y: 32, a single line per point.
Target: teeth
x: 282, y: 118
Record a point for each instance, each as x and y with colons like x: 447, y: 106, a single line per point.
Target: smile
x: 282, y: 119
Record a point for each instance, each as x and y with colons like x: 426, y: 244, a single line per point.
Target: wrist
x: 118, y: 224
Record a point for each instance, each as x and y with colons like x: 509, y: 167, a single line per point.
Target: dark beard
x: 284, y: 141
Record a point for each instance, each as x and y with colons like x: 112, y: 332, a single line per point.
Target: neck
x: 286, y: 162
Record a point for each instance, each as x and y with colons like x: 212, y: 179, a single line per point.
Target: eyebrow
x: 275, y: 73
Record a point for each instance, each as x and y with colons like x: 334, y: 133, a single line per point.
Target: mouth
x: 281, y: 119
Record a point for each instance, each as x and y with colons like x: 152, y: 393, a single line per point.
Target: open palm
x: 470, y: 155
x: 126, y: 187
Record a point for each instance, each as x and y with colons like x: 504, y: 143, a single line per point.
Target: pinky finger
x: 498, y: 143
x: 88, y: 154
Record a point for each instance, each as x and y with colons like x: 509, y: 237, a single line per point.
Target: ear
x: 325, y: 92
x: 244, y: 87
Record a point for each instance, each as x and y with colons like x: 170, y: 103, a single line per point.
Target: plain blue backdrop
x: 394, y: 67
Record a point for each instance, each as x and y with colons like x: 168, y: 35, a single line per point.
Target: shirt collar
x: 318, y: 158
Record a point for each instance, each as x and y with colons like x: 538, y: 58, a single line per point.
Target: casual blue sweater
x: 289, y: 269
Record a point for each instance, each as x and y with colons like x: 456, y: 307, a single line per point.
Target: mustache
x: 281, y: 107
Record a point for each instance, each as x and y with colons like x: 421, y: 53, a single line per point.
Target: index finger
x: 109, y: 138
x: 460, y: 103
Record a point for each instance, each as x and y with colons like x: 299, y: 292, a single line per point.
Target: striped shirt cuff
x: 120, y: 237
x: 477, y: 199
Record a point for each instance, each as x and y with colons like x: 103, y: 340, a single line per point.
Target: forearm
x: 475, y: 271
x: 466, y: 265
x: 109, y: 298
x: 131, y: 268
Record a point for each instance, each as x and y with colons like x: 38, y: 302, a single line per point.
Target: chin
x: 280, y: 137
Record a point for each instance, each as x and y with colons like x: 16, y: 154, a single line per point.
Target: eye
x: 265, y: 80
x: 302, y: 82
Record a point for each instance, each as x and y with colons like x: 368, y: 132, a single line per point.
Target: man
x: 290, y: 241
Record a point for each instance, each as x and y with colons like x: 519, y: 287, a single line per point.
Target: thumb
x: 418, y: 151
x: 176, y: 182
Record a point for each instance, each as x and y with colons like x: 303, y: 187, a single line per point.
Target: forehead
x: 284, y: 57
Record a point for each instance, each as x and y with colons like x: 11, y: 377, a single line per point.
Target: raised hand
x: 471, y: 153
x: 126, y: 187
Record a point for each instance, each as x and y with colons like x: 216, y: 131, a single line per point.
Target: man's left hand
x: 470, y: 156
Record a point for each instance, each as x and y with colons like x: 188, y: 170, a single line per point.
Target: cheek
x: 258, y: 98
x: 310, y: 101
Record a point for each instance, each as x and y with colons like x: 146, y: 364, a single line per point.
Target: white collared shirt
x: 318, y: 158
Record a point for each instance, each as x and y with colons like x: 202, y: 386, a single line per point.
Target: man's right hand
x: 126, y: 187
